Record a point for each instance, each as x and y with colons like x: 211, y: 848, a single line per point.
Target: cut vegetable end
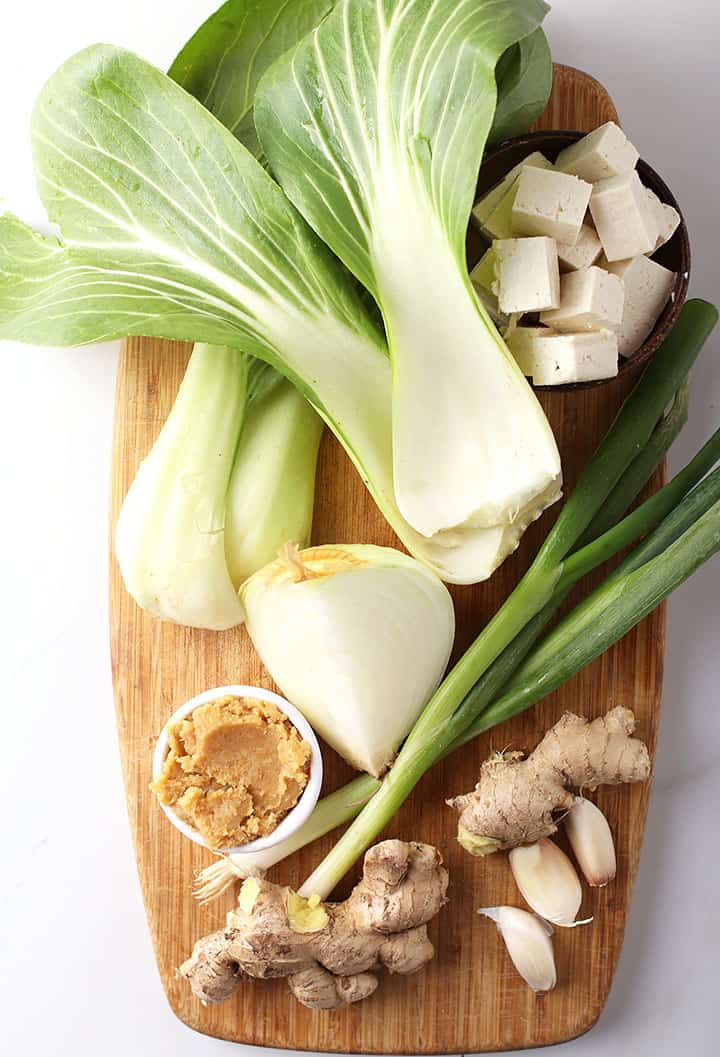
x: 478, y: 846
x: 306, y: 915
x: 249, y: 891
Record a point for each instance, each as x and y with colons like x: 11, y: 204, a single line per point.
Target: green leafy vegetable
x: 171, y: 229
x: 535, y: 597
x: 170, y: 536
x: 375, y: 125
x: 272, y: 487
x: 223, y: 61
x: 524, y: 81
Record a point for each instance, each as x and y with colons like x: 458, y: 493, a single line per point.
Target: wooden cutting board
x: 469, y: 999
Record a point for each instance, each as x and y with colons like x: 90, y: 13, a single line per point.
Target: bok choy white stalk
x: 272, y: 486
x: 172, y: 229
x: 459, y: 708
x: 375, y: 125
x: 357, y: 637
x: 666, y: 516
x: 230, y: 479
x: 170, y: 535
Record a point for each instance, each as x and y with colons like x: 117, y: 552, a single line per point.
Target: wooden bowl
x: 675, y: 254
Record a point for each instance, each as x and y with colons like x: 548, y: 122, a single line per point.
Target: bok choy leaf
x: 172, y: 229
x: 375, y: 125
x: 225, y: 58
x: 187, y: 525
x: 524, y: 80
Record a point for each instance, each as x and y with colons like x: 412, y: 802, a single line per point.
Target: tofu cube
x: 623, y: 217
x: 585, y: 252
x: 602, y: 153
x: 550, y: 358
x: 525, y: 343
x: 487, y: 204
x: 550, y: 203
x: 498, y: 223
x: 590, y: 299
x: 483, y: 280
x: 647, y: 288
x: 483, y: 274
x: 528, y: 276
x: 667, y: 218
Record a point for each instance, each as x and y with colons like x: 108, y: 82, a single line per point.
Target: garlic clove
x: 527, y: 939
x: 547, y: 880
x: 591, y: 841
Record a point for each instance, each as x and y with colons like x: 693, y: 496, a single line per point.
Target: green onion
x: 630, y: 432
x: 604, y: 617
x: 643, y: 466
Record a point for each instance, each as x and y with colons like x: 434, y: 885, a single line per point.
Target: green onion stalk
x: 486, y: 664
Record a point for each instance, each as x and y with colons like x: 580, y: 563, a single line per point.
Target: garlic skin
x: 547, y: 880
x: 357, y: 637
x: 527, y: 939
x: 592, y: 842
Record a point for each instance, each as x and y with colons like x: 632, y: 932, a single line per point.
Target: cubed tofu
x: 602, y: 153
x: 524, y: 343
x: 647, y: 288
x: 487, y: 204
x: 528, y: 277
x: 590, y: 299
x: 550, y: 358
x: 550, y: 203
x: 585, y: 252
x: 498, y: 223
x: 623, y: 217
x: 483, y: 274
x: 667, y: 218
x: 489, y: 302
x: 483, y: 280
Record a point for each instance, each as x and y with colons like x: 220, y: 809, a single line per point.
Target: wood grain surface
x: 469, y: 999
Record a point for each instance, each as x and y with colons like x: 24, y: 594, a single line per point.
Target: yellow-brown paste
x: 234, y: 769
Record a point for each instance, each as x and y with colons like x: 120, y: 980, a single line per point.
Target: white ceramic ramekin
x: 294, y: 818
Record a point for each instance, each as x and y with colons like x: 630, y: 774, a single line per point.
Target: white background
x: 77, y: 971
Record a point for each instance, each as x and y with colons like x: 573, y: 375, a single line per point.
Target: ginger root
x: 517, y: 799
x: 329, y: 952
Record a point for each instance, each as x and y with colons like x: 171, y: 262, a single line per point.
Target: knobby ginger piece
x: 519, y: 800
x: 328, y: 952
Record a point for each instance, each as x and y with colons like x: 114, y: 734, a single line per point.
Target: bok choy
x: 228, y: 481
x: 172, y: 229
x: 183, y: 511
x: 375, y: 125
x: 469, y: 699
